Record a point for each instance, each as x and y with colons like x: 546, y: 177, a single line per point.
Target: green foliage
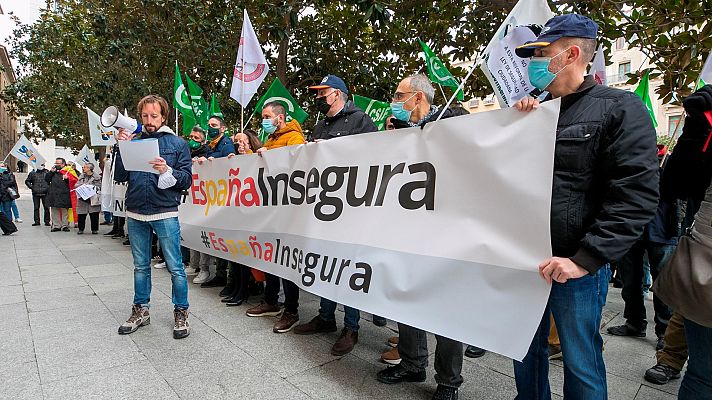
x: 97, y: 53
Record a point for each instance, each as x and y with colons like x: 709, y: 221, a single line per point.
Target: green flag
x: 215, y: 107
x: 181, y: 102
x: 379, y: 111
x: 198, y: 104
x: 277, y: 92
x: 438, y: 73
x: 643, y: 91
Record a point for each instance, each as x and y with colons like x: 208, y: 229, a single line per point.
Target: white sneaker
x: 18, y: 220
x: 190, y: 271
x: 203, y: 276
x: 159, y: 265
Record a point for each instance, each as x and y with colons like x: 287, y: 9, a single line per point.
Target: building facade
x: 8, y: 124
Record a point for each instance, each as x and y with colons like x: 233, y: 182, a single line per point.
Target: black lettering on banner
x: 325, y: 199
x: 274, y: 187
x: 388, y: 173
x: 367, y: 198
x: 405, y: 196
x: 263, y: 187
x: 299, y: 188
x: 365, y: 278
x: 312, y: 183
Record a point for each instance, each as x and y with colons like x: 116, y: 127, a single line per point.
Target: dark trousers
x: 93, y: 217
x: 631, y: 269
x: 36, y: 202
x: 6, y: 223
x: 221, y: 268
x: 291, y: 293
x: 119, y: 223
x: 240, y: 276
x: 413, y: 349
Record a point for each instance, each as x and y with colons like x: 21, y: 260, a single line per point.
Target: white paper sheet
x: 85, y: 192
x: 136, y: 154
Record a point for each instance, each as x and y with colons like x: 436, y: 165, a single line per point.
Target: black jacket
x: 37, y: 183
x: 58, y: 192
x: 7, y: 180
x: 349, y: 121
x: 605, y: 187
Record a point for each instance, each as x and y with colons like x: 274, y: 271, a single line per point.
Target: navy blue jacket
x: 143, y: 195
x: 223, y: 148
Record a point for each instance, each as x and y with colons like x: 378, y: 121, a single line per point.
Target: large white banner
x: 441, y: 228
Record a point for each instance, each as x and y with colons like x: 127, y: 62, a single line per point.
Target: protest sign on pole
x: 24, y: 151
x: 435, y: 221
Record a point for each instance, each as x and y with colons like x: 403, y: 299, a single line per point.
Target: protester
x: 219, y: 145
x: 8, y: 190
x: 58, y: 198
x: 198, y: 261
x: 15, y: 211
x: 281, y: 133
x: 237, y: 289
x: 413, y: 106
x: 604, y: 192
x: 72, y: 175
x: 152, y: 205
x: 84, y: 207
x: 38, y: 185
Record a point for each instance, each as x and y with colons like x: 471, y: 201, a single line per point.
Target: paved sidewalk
x: 63, y: 296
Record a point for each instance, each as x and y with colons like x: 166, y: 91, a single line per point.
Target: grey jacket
x: 84, y: 206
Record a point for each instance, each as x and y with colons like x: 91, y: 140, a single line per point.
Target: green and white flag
x: 277, y: 92
x: 181, y: 102
x: 706, y: 74
x: 379, y: 111
x: 215, y: 107
x: 643, y: 91
x: 438, y: 73
x: 197, y: 103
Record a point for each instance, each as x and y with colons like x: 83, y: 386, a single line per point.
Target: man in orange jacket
x: 281, y: 134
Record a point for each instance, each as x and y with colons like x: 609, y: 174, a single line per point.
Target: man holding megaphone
x: 152, y: 205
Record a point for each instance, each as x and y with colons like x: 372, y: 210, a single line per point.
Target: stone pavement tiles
x: 63, y: 296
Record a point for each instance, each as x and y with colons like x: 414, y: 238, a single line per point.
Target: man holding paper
x: 152, y: 201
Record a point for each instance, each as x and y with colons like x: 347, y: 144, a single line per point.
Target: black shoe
x: 617, y: 283
x: 47, y: 224
x: 65, y: 229
x: 474, y: 352
x: 55, y: 230
x: 445, y: 393
x: 126, y: 242
x: 215, y: 282
x: 36, y: 224
x: 660, y: 343
x: 379, y: 321
x: 625, y: 330
x: 661, y: 374
x: 234, y: 301
x: 106, y: 223
x: 227, y: 291
x: 80, y: 232
x: 110, y: 233
x: 9, y: 233
x: 117, y: 235
x: 398, y: 374
x: 94, y: 232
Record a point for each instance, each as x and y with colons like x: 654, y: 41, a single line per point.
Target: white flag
x: 706, y: 74
x: 100, y: 135
x: 85, y: 156
x: 251, y: 67
x: 507, y: 72
x: 26, y: 152
x: 598, y: 67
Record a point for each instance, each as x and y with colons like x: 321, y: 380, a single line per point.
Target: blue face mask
x: 2, y: 169
x: 539, y: 74
x: 399, y: 112
x: 268, y: 126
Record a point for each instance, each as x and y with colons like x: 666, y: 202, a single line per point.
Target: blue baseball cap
x: 331, y: 81
x: 567, y: 25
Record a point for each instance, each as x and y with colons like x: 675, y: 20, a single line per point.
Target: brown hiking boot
x: 286, y: 323
x: 393, y: 341
x: 316, y: 325
x: 181, y: 328
x: 263, y: 310
x: 345, y: 343
x: 391, y: 356
x: 139, y: 317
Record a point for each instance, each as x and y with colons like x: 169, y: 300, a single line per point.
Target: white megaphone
x: 111, y: 117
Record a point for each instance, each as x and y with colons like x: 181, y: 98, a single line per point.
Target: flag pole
x: 441, y: 90
x: 475, y: 64
x: 242, y: 86
x: 174, y: 95
x: 672, y: 138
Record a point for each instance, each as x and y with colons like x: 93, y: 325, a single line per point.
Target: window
x: 623, y: 69
x: 620, y: 43
x: 674, y: 122
x: 474, y: 103
x: 489, y: 100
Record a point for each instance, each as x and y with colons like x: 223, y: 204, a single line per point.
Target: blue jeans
x: 168, y: 232
x: 327, y: 312
x: 697, y: 383
x: 6, y: 208
x: 15, y: 211
x: 576, y: 306
x: 107, y: 216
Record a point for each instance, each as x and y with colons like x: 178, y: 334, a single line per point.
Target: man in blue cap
x: 604, y: 192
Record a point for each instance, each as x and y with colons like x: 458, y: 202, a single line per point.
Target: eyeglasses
x: 401, y: 95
